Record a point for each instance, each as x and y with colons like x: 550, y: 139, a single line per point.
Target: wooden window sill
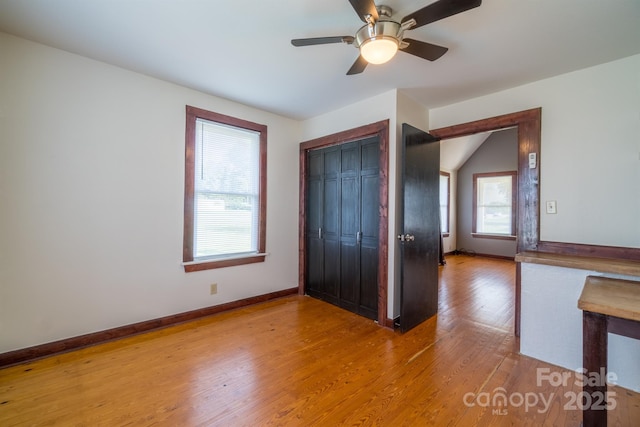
x: 492, y: 236
x: 210, y: 264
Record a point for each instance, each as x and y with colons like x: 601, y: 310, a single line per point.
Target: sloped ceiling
x: 455, y: 152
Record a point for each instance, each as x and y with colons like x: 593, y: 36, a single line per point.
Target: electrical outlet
x: 551, y: 207
x: 214, y: 288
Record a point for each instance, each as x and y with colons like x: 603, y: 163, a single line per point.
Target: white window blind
x: 494, y: 205
x: 226, y: 190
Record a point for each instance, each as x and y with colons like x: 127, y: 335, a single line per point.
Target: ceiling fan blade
x: 424, y: 50
x: 322, y: 40
x: 364, y: 8
x: 439, y: 10
x: 358, y: 66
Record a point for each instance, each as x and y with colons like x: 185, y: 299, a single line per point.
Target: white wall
x: 551, y: 328
x: 590, y: 154
x: 91, y: 198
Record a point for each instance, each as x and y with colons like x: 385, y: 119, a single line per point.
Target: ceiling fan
x: 381, y: 37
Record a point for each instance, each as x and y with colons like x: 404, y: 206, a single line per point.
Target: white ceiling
x: 240, y: 49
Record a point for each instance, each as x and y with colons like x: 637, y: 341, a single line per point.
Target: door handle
x: 320, y: 233
x: 406, y: 237
x: 359, y: 237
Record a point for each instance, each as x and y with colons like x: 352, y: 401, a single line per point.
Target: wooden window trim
x: 445, y: 233
x: 192, y: 114
x: 514, y: 198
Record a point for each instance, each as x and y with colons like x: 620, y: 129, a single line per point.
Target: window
x: 225, y: 191
x: 445, y: 195
x: 494, y: 196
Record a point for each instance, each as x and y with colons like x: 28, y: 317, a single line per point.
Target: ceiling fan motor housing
x: 379, y: 30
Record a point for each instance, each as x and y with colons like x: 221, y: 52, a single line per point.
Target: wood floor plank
x: 298, y: 361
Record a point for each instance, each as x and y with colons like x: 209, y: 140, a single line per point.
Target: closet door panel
x: 369, y: 219
x: 330, y: 209
x: 331, y: 284
x: 350, y: 158
x: 349, y: 208
x: 369, y: 226
x: 314, y: 244
x: 349, y: 280
x: 368, y: 292
x: 331, y: 239
x: 370, y: 156
x: 315, y: 267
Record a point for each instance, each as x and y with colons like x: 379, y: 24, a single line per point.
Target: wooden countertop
x: 602, y: 265
x: 613, y: 297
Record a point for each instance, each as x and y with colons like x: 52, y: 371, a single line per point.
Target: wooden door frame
x: 528, y: 123
x: 381, y: 130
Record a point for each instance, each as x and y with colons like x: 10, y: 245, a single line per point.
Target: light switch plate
x: 551, y: 207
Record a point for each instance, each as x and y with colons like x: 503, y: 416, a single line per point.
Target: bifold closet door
x: 322, y: 244
x: 342, y: 225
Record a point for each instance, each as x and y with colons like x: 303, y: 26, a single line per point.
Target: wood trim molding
x: 528, y: 123
x: 594, y: 251
x: 514, y: 201
x: 445, y: 233
x: 389, y: 323
x: 381, y: 130
x: 518, y: 307
x: 503, y: 257
x: 75, y: 343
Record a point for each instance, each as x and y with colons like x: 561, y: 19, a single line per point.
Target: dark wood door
x: 342, y: 225
x: 322, y: 224
x: 420, y: 222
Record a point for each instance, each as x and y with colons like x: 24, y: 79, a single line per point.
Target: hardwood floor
x: 301, y: 362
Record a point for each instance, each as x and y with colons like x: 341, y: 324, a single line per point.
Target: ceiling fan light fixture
x: 379, y: 42
x: 378, y: 50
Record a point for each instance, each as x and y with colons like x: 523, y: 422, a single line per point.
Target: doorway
x: 528, y: 123
x: 379, y: 130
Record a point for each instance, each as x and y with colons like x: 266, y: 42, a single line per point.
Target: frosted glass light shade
x: 379, y: 50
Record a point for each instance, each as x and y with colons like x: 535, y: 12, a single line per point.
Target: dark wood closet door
x: 330, y: 228
x: 323, y: 276
x: 350, y: 226
x: 313, y: 227
x: 369, y: 226
x: 342, y: 225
